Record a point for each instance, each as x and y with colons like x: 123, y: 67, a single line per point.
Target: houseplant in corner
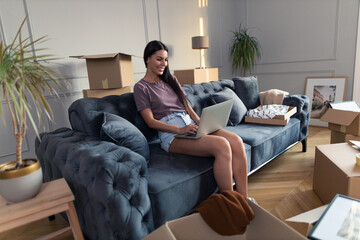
x: 244, y: 51
x: 25, y: 76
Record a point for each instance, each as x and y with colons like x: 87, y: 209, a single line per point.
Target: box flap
x: 348, y: 106
x: 163, y: 232
x: 98, y: 56
x: 110, y: 55
x: 194, y: 227
x: 271, y: 227
x: 339, y: 116
x: 309, y: 217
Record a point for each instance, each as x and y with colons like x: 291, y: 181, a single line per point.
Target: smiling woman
x: 162, y: 104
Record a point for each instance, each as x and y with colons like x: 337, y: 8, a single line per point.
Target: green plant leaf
x: 244, y: 51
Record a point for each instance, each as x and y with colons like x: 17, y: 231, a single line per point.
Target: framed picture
x: 340, y: 220
x: 321, y: 91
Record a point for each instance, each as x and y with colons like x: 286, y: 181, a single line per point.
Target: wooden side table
x: 54, y: 197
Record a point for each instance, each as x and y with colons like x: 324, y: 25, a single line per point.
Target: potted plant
x: 25, y: 76
x: 244, y: 51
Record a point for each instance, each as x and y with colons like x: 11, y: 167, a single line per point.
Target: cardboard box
x: 263, y: 226
x: 349, y: 137
x: 336, y: 172
x: 337, y: 137
x: 191, y: 76
x: 106, y: 71
x: 340, y: 137
x: 304, y: 222
x: 102, y: 93
x: 341, y: 119
x: 277, y: 120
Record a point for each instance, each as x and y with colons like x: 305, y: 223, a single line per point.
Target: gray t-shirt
x: 159, y: 97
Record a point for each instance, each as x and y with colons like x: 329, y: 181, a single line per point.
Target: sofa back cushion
x: 199, y: 95
x: 248, y: 91
x: 238, y: 110
x: 86, y: 114
x: 120, y: 131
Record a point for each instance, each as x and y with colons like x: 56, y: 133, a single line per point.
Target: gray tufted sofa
x: 126, y: 187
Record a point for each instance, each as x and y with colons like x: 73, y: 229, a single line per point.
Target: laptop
x: 212, y: 118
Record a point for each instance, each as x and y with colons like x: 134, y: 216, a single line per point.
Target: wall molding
x: 332, y: 71
x: 356, y: 84
x: 158, y: 17
x: 145, y: 22
x: 297, y: 61
x: 2, y: 32
x: 24, y: 150
x: 28, y: 23
x: 335, y: 49
x: 336, y: 37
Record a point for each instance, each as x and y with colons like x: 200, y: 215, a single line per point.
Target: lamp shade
x: 200, y: 42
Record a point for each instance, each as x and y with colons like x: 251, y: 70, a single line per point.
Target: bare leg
x: 239, y: 160
x: 210, y: 145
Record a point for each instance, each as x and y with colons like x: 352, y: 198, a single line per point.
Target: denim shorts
x: 179, y: 119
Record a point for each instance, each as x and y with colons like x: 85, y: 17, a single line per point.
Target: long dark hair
x: 149, y: 50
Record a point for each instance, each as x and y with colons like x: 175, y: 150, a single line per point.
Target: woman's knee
x: 236, y: 139
x: 222, y: 147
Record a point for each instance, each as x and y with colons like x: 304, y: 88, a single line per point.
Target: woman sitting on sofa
x: 162, y: 104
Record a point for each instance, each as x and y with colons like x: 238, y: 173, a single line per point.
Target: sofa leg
x: 304, y: 144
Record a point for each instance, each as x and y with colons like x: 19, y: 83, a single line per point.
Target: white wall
x: 304, y: 39
x: 298, y: 38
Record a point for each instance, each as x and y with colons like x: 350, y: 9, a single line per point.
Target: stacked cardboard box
x: 199, y: 75
x: 108, y: 74
x: 344, y: 121
x: 336, y: 172
x: 99, y: 93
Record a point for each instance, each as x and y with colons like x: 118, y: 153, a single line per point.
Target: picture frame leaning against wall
x: 321, y: 91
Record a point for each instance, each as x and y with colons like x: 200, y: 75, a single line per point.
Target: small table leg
x: 74, y: 223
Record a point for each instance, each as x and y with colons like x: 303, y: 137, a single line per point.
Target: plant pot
x: 20, y: 184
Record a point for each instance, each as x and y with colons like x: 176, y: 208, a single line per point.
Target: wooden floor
x: 283, y: 187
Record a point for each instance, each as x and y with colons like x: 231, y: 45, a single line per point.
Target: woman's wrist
x: 177, y: 130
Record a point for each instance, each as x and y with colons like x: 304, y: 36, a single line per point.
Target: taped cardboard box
x: 106, y: 71
x: 304, y: 222
x: 343, y: 117
x: 336, y: 172
x: 281, y: 120
x: 191, y: 76
x: 102, y: 93
x: 193, y: 227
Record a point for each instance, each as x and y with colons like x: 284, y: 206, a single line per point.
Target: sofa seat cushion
x: 172, y: 179
x: 267, y: 141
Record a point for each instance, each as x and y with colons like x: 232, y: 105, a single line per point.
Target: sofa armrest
x: 301, y: 102
x: 108, y: 182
